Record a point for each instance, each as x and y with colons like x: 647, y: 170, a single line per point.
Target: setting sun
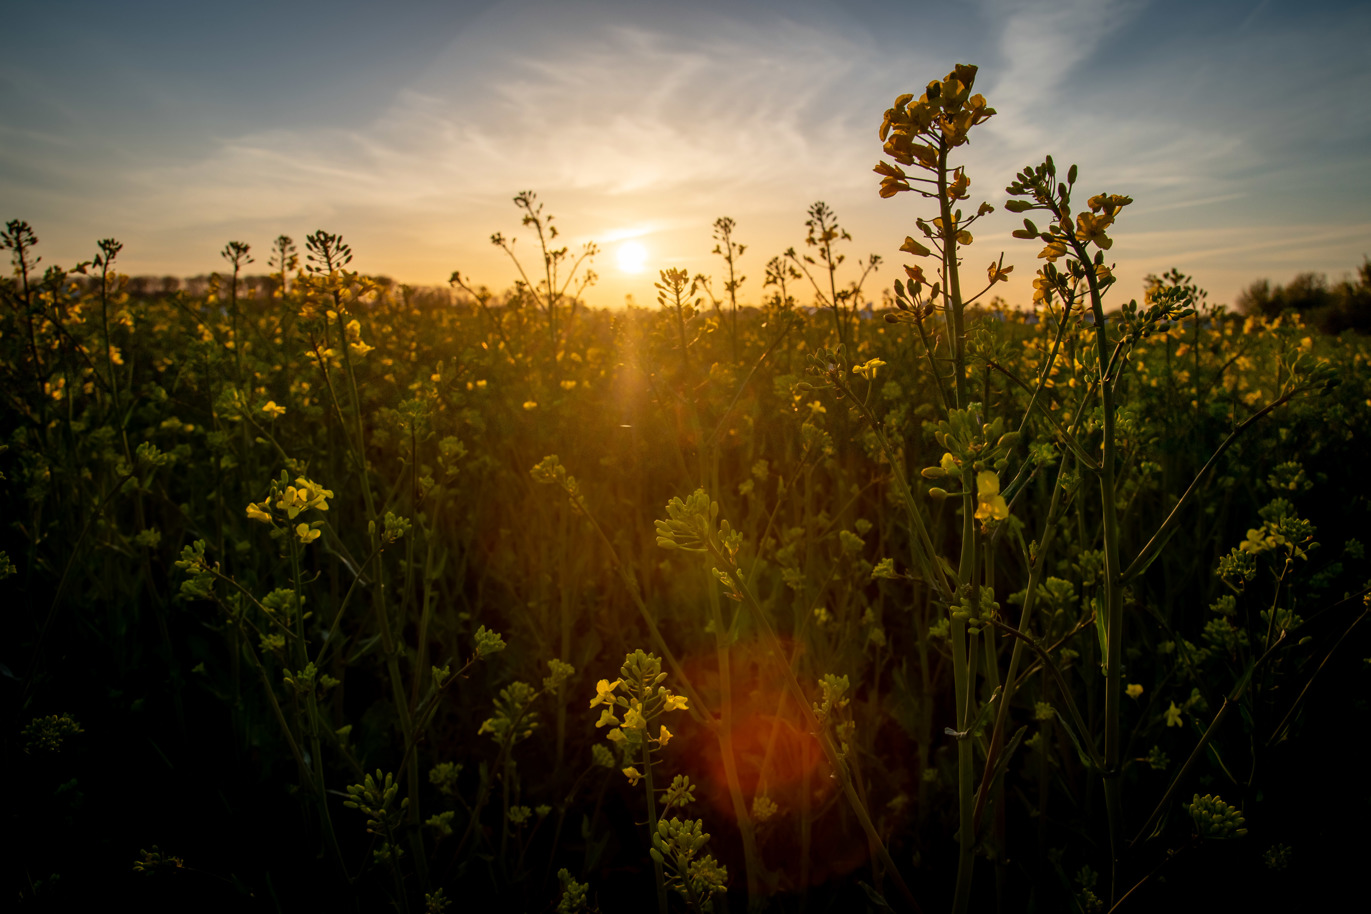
x: 632, y: 257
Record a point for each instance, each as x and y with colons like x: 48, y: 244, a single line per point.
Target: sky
x: 1241, y: 129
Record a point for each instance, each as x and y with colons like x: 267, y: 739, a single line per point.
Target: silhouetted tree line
x: 252, y: 286
x: 1344, y: 305
x: 1330, y: 308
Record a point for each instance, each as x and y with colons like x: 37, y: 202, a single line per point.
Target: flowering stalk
x: 922, y: 133
x: 638, y: 694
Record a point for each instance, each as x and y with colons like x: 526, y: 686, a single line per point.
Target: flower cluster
x: 916, y: 132
x: 288, y: 502
x: 677, y: 844
x: 632, y: 702
x: 1216, y: 819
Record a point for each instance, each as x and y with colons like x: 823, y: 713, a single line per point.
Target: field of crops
x: 332, y: 596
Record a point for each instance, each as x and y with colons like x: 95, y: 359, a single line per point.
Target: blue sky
x: 1241, y: 129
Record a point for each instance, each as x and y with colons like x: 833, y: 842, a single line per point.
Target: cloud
x: 1042, y: 44
x: 627, y: 110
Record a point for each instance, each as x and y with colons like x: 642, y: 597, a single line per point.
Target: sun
x: 632, y: 257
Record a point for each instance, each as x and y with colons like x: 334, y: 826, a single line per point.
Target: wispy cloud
x: 625, y: 125
x: 1042, y: 44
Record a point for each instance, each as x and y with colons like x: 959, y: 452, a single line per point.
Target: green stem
x: 966, y: 835
x: 652, y: 822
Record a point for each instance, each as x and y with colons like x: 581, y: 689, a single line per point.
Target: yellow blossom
x: 312, y: 493
x: 674, y: 702
x: 615, y: 736
x: 634, y: 719
x: 1133, y: 690
x: 868, y: 369
x: 992, y: 504
x: 530, y: 404
x: 272, y: 410
x: 1053, y: 250
x: 633, y: 775
x: 255, y: 512
x: 604, y: 692
x: 665, y: 737
x: 1173, y: 716
x: 306, y: 534
x: 1091, y: 228
x: 607, y: 717
x: 998, y: 273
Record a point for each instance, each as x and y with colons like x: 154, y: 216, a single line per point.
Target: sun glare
x: 632, y: 257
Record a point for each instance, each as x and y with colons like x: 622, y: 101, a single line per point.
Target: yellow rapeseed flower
x: 256, y: 512
x: 665, y: 737
x: 311, y: 494
x: 1133, y: 690
x: 634, y: 719
x: 633, y: 775
x: 272, y: 410
x: 306, y: 534
x: 1173, y: 716
x: 992, y: 505
x: 868, y: 369
x: 604, y: 692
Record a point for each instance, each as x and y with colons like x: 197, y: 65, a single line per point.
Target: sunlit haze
x: 1241, y: 129
x: 632, y: 257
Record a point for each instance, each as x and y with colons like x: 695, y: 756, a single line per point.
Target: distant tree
x: 1345, y: 305
x: 1353, y: 311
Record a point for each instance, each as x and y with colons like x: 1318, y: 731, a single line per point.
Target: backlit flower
x: 992, y: 505
x: 868, y: 369
x: 604, y: 692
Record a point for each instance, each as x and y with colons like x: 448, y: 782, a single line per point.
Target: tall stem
x: 952, y: 279
x: 652, y: 824
x: 1113, y: 585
